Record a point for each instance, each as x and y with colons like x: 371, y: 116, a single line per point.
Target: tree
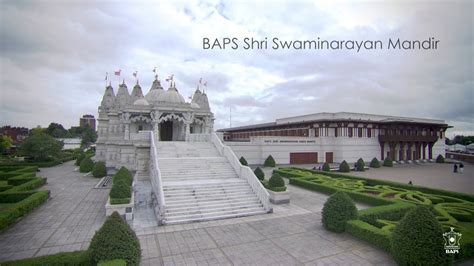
x: 344, y: 167
x: 269, y: 162
x: 259, y: 173
x: 56, y: 130
x: 338, y: 209
x: 88, y: 136
x: 5, y: 143
x: 41, y: 147
x: 243, y: 161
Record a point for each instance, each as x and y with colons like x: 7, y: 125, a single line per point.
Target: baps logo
x: 451, y: 242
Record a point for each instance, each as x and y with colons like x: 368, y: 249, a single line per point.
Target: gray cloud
x: 54, y: 56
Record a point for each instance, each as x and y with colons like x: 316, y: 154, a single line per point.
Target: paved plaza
x: 292, y: 235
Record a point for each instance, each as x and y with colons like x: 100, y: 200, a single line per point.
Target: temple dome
x: 108, y: 100
x: 171, y: 96
x: 141, y: 101
x: 155, y: 91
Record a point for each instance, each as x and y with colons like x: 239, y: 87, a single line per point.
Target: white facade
x: 342, y: 136
x: 124, y: 119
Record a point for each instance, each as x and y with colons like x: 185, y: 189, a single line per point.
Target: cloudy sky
x: 54, y: 56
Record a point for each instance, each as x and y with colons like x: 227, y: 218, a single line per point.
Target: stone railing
x: 141, y: 135
x: 198, y: 138
x: 243, y: 172
x: 156, y: 182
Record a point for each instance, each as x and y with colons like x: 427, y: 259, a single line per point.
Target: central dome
x: 154, y: 94
x: 171, y: 96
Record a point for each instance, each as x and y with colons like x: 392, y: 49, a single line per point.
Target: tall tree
x: 88, y: 136
x: 5, y: 143
x: 41, y: 147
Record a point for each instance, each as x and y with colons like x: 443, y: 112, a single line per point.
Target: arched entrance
x: 166, y: 131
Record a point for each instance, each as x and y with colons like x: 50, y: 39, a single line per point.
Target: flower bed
x: 393, y: 201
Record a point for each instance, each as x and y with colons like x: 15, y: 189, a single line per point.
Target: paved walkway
x: 66, y: 222
x: 292, y: 235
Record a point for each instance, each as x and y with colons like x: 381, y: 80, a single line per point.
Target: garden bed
x: 392, y: 201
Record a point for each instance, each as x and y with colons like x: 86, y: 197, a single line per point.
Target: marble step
x: 214, y: 216
x: 215, y: 209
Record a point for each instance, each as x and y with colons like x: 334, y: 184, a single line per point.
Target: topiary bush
x: 276, y: 181
x: 120, y: 190
x: 388, y: 162
x: 326, y: 167
x: 440, y: 159
x: 418, y: 239
x: 269, y: 162
x: 123, y: 174
x: 99, y: 170
x: 243, y: 161
x: 115, y: 240
x: 338, y: 209
x: 80, y: 158
x: 375, y: 163
x: 86, y: 165
x: 360, y: 165
x: 259, y: 173
x: 344, y: 167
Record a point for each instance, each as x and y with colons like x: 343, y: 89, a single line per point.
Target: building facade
x: 125, y: 118
x: 17, y: 134
x: 87, y: 120
x: 334, y: 137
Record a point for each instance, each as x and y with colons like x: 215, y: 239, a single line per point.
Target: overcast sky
x: 54, y: 55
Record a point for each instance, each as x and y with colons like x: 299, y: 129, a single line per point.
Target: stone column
x: 430, y: 150
x: 402, y: 151
x: 187, y: 126
x: 424, y: 150
x: 155, y: 118
x: 382, y: 150
x: 409, y: 152
x: 126, y: 121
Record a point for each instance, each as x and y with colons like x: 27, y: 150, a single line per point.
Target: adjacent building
x: 17, y: 134
x: 334, y: 137
x: 87, y: 120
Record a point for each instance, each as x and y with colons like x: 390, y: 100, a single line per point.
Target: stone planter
x: 122, y: 209
x: 279, y: 197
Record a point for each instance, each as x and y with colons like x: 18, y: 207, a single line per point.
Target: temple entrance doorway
x: 166, y: 131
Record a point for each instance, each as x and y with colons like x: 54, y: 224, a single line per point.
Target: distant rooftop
x: 339, y: 116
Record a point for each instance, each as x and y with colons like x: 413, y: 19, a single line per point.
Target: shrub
x: 86, y: 165
x: 123, y: 174
x: 99, y: 169
x: 115, y: 240
x: 360, y: 165
x: 79, y: 159
x: 388, y: 162
x: 418, y: 239
x: 326, y: 167
x: 338, y: 209
x: 375, y: 163
x: 269, y: 162
x: 75, y: 258
x: 276, y: 181
x: 440, y: 159
x: 24, y: 202
x: 120, y: 190
x: 243, y: 161
x: 117, y: 262
x: 344, y: 167
x: 259, y: 174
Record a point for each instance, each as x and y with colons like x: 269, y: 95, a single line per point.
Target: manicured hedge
x: 86, y: 165
x: 360, y: 165
x: 344, y: 167
x: 79, y: 159
x: 38, y: 164
x: 388, y: 162
x: 27, y: 202
x: 337, y: 210
x: 367, y: 232
x: 116, y: 262
x: 99, y: 170
x: 121, y: 191
x: 418, y: 239
x: 375, y: 163
x: 123, y: 174
x: 326, y: 167
x: 259, y: 173
x: 243, y: 161
x: 30, y: 185
x: 269, y: 162
x: 440, y: 159
x: 75, y: 258
x: 115, y: 240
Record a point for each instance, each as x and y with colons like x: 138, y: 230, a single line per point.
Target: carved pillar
x: 126, y: 121
x: 409, y: 152
x: 382, y: 150
x: 430, y: 150
x: 155, y: 117
x: 424, y: 150
x: 188, y: 119
x: 402, y: 151
x: 392, y: 150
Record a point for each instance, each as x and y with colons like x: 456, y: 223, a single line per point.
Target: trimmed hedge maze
x: 17, y: 197
x: 391, y: 202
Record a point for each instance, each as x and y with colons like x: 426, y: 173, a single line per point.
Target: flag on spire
x: 170, y: 77
x: 135, y: 73
x: 200, y: 81
x: 117, y: 73
x: 106, y: 74
x: 205, y: 83
x: 154, y: 70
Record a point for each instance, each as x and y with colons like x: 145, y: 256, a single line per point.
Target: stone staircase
x: 201, y: 185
